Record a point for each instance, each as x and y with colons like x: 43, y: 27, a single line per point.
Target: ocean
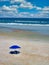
x: 39, y: 25
x: 25, y: 20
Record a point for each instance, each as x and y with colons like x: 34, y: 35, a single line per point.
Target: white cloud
x: 14, y: 6
x: 8, y: 11
x: 23, y: 15
x: 46, y: 8
x: 15, y: 1
x: 8, y: 14
x: 6, y: 8
x: 3, y: 0
x: 29, y: 15
x: 26, y: 5
x: 9, y: 8
x: 39, y: 15
x: 44, y: 11
x: 12, y: 10
x: 23, y: 3
x: 38, y: 8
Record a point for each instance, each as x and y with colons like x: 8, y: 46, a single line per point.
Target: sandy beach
x: 34, y: 48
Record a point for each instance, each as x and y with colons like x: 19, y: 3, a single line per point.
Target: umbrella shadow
x: 14, y: 52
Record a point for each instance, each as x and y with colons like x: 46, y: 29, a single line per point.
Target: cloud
x: 38, y: 8
x: 32, y: 15
x: 9, y: 8
x: 8, y: 11
x: 26, y: 5
x: 17, y: 1
x: 46, y: 8
x: 44, y: 11
x: 24, y: 14
x: 14, y: 10
x: 14, y: 7
x: 3, y: 0
x: 8, y: 14
x: 23, y: 3
x: 6, y: 8
x: 39, y: 15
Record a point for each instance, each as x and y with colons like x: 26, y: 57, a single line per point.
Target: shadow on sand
x: 14, y: 52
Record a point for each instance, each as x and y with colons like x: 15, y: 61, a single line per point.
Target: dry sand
x: 34, y: 48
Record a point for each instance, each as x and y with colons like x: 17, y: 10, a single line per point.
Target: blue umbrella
x: 15, y: 47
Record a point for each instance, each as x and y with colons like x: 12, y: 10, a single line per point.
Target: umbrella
x: 15, y: 47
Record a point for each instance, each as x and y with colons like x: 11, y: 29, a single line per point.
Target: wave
x: 24, y: 24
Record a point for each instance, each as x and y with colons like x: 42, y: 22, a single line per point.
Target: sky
x: 24, y: 8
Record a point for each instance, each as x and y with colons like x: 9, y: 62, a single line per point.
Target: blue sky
x: 24, y: 8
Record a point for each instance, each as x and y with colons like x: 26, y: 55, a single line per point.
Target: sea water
x: 35, y: 25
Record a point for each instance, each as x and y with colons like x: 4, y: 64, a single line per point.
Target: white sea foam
x: 24, y: 24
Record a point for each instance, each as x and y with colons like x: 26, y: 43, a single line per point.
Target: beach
x: 34, y: 48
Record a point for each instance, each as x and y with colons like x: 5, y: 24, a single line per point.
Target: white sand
x: 33, y: 52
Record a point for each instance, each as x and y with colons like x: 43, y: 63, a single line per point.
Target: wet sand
x: 34, y: 48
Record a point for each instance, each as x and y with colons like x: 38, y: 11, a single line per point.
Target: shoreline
x: 25, y: 33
